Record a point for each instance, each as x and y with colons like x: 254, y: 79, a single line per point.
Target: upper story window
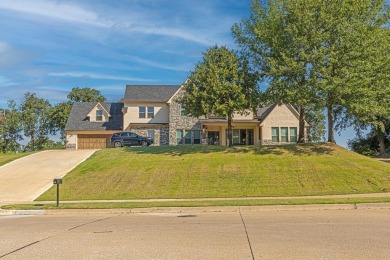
x: 146, y: 112
x: 150, y: 112
x: 182, y: 110
x: 99, y: 115
x: 142, y: 112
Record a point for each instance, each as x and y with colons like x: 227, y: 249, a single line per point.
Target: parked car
x: 129, y: 139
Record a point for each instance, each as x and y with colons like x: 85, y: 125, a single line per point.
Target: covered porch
x: 245, y: 132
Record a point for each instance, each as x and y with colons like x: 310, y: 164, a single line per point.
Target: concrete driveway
x: 27, y: 178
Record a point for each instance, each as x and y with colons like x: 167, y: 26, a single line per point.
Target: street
x: 245, y: 234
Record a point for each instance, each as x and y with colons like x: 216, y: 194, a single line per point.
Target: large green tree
x: 369, y: 93
x: 10, y: 128
x: 85, y: 95
x: 309, y: 48
x: 280, y: 37
x: 348, y: 29
x: 221, y: 84
x: 35, y: 118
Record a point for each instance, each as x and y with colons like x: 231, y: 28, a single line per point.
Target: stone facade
x: 178, y: 121
x: 160, y: 133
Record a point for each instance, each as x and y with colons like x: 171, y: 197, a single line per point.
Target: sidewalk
x: 210, y: 209
x: 343, y: 196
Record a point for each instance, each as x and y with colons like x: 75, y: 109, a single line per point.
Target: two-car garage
x: 93, y: 141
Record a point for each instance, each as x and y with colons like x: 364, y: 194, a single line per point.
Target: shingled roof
x: 150, y: 93
x: 263, y: 112
x: 78, y: 119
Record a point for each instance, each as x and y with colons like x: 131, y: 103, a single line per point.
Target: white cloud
x: 75, y: 74
x: 159, y: 65
x: 5, y: 82
x: 55, y: 10
x: 138, y: 21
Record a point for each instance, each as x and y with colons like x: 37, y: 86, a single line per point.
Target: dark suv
x: 128, y: 139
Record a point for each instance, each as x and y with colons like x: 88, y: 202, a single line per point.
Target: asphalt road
x: 316, y: 234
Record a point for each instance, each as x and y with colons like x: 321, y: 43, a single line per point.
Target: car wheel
x: 144, y: 143
x: 117, y: 144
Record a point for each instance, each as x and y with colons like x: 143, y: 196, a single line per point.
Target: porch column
x: 256, y: 139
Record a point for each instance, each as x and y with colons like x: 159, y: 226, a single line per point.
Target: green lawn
x: 9, y: 157
x: 206, y: 171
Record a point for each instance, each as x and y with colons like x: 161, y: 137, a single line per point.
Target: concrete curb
x: 245, y: 209
x: 21, y: 212
x: 311, y: 207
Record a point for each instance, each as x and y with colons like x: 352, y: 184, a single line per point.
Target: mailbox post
x: 58, y: 181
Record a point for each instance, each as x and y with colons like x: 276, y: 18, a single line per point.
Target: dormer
x: 99, y: 114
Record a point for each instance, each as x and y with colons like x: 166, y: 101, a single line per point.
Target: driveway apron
x: 28, y: 177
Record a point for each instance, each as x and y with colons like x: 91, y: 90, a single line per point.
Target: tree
x: 59, y: 115
x: 348, y: 29
x: 369, y: 100
x: 85, y: 95
x: 221, y: 84
x: 35, y: 117
x: 369, y: 144
x: 10, y: 128
x: 280, y: 37
x: 316, y: 119
x: 309, y: 49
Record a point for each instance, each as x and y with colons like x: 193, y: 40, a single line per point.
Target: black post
x: 58, y: 194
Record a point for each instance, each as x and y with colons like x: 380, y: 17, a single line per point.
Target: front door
x: 213, y: 138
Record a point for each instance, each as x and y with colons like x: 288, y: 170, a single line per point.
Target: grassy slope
x: 205, y: 171
x: 9, y: 157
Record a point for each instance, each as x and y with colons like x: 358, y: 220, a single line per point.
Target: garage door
x: 93, y: 141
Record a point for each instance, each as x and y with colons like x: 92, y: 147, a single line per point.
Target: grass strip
x: 212, y: 203
x: 9, y: 157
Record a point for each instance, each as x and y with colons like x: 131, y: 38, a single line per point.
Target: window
x: 182, y: 110
x: 236, y: 136
x: 284, y: 134
x: 142, y: 112
x: 196, y: 136
x: 99, y: 115
x: 150, y: 112
x: 275, y: 134
x: 293, y: 134
x: 188, y: 137
x: 179, y: 136
x: 151, y: 134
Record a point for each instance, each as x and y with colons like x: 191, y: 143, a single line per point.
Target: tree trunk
x: 381, y: 139
x: 32, y: 142
x: 301, y: 135
x: 230, y: 132
x: 330, y: 124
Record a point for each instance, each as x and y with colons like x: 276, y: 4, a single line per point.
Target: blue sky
x: 49, y: 47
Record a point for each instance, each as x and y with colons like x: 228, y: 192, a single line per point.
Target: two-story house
x: 153, y: 111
